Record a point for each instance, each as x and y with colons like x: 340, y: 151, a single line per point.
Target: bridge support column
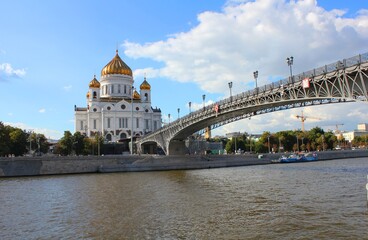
x: 177, y: 147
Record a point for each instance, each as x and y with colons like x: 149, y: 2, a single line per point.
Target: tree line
x: 79, y: 144
x: 17, y: 142
x: 287, y: 141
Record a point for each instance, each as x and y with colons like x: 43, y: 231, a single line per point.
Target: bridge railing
x: 345, y: 63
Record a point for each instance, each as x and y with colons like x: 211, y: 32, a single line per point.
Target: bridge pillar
x: 177, y: 147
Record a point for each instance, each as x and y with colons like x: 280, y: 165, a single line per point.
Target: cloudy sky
x: 49, y: 52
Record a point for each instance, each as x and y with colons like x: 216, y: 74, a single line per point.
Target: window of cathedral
x: 137, y: 108
x: 119, y: 88
x: 94, y: 94
x: 95, y: 109
x: 146, y: 110
x: 108, y: 137
x: 123, y: 106
x: 123, y: 136
x: 108, y: 108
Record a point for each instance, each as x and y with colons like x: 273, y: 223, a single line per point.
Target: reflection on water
x: 320, y: 200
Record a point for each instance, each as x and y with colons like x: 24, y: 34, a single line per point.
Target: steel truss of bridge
x: 341, y: 81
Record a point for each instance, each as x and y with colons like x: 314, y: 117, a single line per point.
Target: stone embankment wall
x: 48, y: 165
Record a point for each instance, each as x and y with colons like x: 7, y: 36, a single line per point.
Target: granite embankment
x: 50, y: 165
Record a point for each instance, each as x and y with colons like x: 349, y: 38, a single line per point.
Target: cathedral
x: 115, y: 109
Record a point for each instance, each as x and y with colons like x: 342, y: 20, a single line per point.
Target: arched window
x: 94, y: 94
x: 123, y: 136
x: 146, y: 97
x: 108, y: 137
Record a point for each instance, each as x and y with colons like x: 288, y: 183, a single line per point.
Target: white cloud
x: 7, y: 71
x: 196, y: 106
x: 258, y: 35
x: 49, y: 133
x: 68, y: 87
x: 42, y: 110
x: 255, y: 35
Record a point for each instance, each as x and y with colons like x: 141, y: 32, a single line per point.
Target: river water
x: 319, y: 200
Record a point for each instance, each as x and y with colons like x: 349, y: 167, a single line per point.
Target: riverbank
x: 52, y: 165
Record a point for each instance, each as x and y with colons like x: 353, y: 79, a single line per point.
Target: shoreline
x: 55, y: 165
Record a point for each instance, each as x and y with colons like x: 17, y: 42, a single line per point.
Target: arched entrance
x: 108, y: 137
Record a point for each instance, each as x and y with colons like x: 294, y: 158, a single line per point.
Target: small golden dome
x: 116, y: 66
x: 94, y: 83
x: 87, y: 95
x: 136, y: 95
x: 145, y: 85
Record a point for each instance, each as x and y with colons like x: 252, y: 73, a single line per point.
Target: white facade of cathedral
x: 115, y: 110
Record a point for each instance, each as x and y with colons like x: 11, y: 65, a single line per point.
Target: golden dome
x: 87, y: 95
x: 136, y: 95
x: 145, y: 85
x: 94, y: 83
x: 116, y: 66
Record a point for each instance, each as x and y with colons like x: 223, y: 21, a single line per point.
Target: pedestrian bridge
x: 339, y: 82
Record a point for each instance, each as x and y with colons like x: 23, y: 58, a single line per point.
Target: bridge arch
x: 343, y: 81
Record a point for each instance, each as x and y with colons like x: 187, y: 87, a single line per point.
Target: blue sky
x: 50, y: 50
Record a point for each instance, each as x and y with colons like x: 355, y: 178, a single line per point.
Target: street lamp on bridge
x: 203, y: 98
x: 255, y: 75
x: 178, y: 113
x: 169, y: 117
x: 190, y: 107
x: 230, y: 86
x: 290, y: 61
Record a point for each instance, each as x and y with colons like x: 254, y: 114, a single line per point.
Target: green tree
x: 39, y: 143
x: 230, y: 145
x: 78, y: 143
x: 4, y: 140
x: 65, y: 145
x: 18, y: 141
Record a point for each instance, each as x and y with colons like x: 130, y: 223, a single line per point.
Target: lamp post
x: 268, y: 138
x: 250, y: 143
x: 290, y: 61
x: 203, y: 98
x: 235, y: 145
x: 30, y: 142
x: 178, y: 113
x: 255, y: 75
x: 230, y: 86
x: 190, y: 107
x: 279, y: 145
x: 131, y: 135
x: 297, y: 143
x: 169, y: 117
x: 38, y: 144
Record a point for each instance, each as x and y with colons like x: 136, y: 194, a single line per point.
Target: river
x: 316, y: 200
